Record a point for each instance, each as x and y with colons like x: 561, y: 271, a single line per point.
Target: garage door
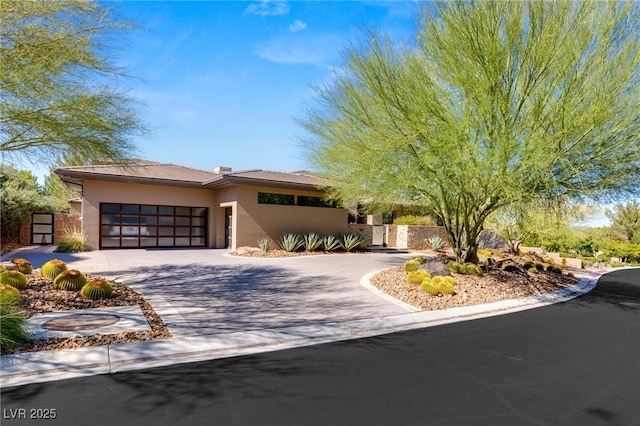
x: 142, y: 225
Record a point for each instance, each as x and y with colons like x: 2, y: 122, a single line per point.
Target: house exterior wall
x: 256, y: 221
x: 95, y: 192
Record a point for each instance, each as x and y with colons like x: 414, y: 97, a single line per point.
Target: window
x: 281, y: 199
x: 304, y: 200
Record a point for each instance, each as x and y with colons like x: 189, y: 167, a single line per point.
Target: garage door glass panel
x: 110, y: 242
x: 149, y: 209
x: 198, y: 211
x: 165, y: 242
x: 130, y: 208
x: 182, y: 241
x: 183, y: 221
x: 165, y: 220
x: 166, y: 210
x: 130, y: 242
x: 183, y: 232
x: 148, y: 242
x: 110, y: 208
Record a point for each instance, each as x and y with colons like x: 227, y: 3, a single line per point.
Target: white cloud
x: 297, y: 25
x: 322, y: 51
x: 268, y: 8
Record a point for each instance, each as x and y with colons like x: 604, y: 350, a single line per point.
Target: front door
x: 228, y: 227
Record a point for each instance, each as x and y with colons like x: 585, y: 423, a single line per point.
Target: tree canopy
x: 625, y: 218
x: 494, y: 103
x: 60, y: 91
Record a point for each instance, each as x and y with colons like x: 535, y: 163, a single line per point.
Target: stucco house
x: 149, y: 204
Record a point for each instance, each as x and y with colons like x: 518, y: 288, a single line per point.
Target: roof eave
x: 79, y: 178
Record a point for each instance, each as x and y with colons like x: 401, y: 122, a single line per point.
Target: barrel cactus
x: 70, y: 280
x: 416, y: 277
x: 411, y: 265
x: 428, y: 287
x: 97, y: 288
x: 446, y: 286
x: 472, y: 269
x: 14, y: 278
x: 456, y: 267
x: 11, y: 293
x: 53, y: 268
x: 23, y: 265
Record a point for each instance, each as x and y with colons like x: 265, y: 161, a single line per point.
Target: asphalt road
x: 575, y: 363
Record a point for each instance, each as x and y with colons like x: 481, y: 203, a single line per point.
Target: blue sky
x: 222, y: 82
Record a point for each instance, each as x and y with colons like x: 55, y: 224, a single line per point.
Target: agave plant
x: 352, y: 241
x: 264, y: 244
x: 291, y: 242
x: 311, y: 241
x: 436, y: 243
x: 330, y: 243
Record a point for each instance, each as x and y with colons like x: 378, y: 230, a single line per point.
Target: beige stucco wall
x: 255, y: 221
x: 251, y: 221
x: 96, y: 192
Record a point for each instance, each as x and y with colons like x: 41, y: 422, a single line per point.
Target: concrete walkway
x: 218, y: 306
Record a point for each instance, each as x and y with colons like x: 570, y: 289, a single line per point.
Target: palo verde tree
x: 494, y: 103
x: 60, y: 91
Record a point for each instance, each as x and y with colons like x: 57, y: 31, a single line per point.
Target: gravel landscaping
x: 493, y: 286
x: 39, y: 297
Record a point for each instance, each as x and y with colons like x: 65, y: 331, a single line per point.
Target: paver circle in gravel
x: 80, y: 322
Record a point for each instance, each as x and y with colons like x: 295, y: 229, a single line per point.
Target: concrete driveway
x: 205, y: 291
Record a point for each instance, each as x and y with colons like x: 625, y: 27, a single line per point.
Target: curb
x: 37, y: 367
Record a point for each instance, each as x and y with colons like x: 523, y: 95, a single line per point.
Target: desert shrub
x: 528, y: 265
x: 72, y: 244
x: 53, y: 268
x: 23, y: 265
x: 435, y: 243
x: 571, y: 274
x: 411, y: 265
x: 96, y: 288
x: 330, y: 243
x: 14, y: 278
x: 490, y: 261
x: 539, y: 266
x: 311, y: 241
x: 446, y: 288
x: 603, y: 258
x: 12, y: 323
x: 532, y: 270
x: 70, y: 280
x: 264, y: 244
x: 617, y: 265
x: 417, y: 276
x: 2, y: 268
x: 11, y: 293
x: 473, y: 269
x: 291, y: 242
x: 413, y: 220
x: 352, y: 241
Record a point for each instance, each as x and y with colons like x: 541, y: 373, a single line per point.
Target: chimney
x: 222, y: 170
